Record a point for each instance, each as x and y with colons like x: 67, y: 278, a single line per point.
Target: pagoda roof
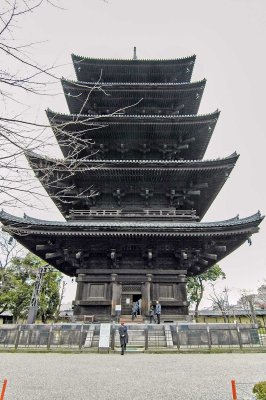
x: 190, y: 133
x: 135, y: 97
x: 31, y: 232
x: 87, y: 165
x: 232, y: 225
x: 61, y: 178
x: 140, y: 70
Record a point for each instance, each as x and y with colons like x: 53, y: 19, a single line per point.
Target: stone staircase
x: 136, y: 337
x: 156, y: 336
x: 159, y: 336
x: 127, y: 319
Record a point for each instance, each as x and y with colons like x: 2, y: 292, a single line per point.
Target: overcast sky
x: 228, y: 38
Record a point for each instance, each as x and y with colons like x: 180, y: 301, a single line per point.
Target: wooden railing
x: 167, y: 213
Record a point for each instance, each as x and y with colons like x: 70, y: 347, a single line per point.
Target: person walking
x: 158, y: 309
x: 123, y: 337
x: 134, y: 310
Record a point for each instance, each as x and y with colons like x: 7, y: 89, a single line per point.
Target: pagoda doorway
x: 127, y: 302
x: 130, y: 294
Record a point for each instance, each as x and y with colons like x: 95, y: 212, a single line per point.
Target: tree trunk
x: 198, y: 301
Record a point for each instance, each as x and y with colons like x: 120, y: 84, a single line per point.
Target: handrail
x: 191, y: 214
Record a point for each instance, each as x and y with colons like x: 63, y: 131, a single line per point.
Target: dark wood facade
x: 132, y: 187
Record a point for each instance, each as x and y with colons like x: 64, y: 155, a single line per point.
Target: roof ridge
x: 131, y: 161
x: 232, y: 221
x: 114, y: 115
x: 192, y: 57
x: 80, y: 83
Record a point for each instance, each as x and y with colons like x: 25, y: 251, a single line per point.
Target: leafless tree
x: 20, y: 76
x: 261, y: 297
x: 247, y: 302
x: 220, y: 302
x: 19, y: 136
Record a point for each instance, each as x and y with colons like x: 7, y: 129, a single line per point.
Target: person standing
x: 139, y: 304
x: 123, y: 335
x: 158, y: 309
x: 151, y: 312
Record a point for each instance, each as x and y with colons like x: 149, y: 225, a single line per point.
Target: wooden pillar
x: 146, y: 295
x: 116, y: 293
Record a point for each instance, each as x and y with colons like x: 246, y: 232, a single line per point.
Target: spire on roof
x: 135, y: 54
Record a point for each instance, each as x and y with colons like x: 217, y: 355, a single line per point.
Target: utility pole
x: 34, y: 302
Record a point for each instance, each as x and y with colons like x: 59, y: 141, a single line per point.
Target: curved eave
x: 85, y: 86
x: 56, y: 119
x: 228, y: 227
x: 193, y: 132
x: 84, y: 166
x: 161, y: 176
x: 149, y: 68
x: 181, y: 98
x: 163, y: 61
x: 49, y: 239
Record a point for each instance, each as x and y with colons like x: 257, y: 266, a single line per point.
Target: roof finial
x: 135, y: 54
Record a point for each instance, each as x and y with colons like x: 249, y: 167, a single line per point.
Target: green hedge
x: 260, y: 390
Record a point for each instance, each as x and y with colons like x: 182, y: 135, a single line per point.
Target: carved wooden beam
x: 53, y: 255
x: 44, y: 247
x: 220, y: 248
x: 210, y: 256
x: 203, y: 262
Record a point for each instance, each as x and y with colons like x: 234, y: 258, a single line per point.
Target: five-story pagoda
x: 133, y: 187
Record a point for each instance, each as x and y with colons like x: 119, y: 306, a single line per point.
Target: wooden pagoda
x: 133, y: 187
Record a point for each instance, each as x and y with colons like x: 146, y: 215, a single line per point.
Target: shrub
x: 260, y: 390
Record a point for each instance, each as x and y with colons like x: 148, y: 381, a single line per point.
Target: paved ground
x: 130, y: 377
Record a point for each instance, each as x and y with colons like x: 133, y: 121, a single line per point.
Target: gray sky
x: 228, y: 38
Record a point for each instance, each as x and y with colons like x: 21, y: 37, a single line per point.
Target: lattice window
x: 131, y: 288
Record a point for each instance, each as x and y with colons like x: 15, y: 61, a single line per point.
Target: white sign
x: 118, y: 307
x: 104, y: 336
x: 128, y: 301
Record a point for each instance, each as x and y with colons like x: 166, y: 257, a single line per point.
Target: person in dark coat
x: 123, y: 337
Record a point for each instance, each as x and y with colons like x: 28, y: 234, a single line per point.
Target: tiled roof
x: 135, y: 164
x: 138, y: 61
x: 94, y: 118
x: 179, y: 85
x: 189, y: 227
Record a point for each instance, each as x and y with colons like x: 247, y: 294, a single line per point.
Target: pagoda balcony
x: 186, y: 215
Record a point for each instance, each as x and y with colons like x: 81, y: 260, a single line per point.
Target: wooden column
x: 116, y: 293
x: 146, y: 295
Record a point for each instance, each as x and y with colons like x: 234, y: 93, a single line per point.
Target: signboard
x: 128, y: 301
x: 118, y: 307
x: 104, y: 336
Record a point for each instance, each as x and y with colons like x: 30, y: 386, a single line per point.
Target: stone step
x: 127, y: 319
x: 130, y: 348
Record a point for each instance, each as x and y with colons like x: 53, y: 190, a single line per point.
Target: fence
x: 145, y: 336
x: 49, y: 336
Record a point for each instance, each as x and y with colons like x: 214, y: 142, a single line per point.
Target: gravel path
x: 130, y: 377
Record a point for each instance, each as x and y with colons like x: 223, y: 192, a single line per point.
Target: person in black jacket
x: 123, y: 337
